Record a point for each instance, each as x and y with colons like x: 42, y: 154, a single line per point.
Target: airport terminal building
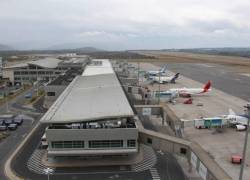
x: 47, y: 69
x: 92, y: 116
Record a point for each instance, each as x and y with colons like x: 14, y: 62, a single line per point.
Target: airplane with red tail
x: 188, y: 92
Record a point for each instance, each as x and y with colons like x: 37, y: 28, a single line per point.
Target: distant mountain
x: 73, y: 46
x: 89, y: 49
x: 4, y: 47
x: 226, y: 51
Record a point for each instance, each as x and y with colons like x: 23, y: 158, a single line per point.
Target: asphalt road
x: 166, y: 165
x: 8, y: 145
x: 221, y: 76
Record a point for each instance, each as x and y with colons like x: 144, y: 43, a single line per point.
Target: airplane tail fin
x: 231, y: 112
x: 207, y: 86
x: 175, y: 77
x: 163, y: 70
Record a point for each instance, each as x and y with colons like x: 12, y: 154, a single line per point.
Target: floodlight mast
x: 245, y: 143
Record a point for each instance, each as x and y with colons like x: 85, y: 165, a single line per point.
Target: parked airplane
x: 151, y: 74
x: 240, y: 121
x: 188, y: 92
x: 165, y: 79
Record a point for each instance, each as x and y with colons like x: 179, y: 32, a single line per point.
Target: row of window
x: 32, y: 72
x: 24, y: 78
x: 51, y: 93
x: 67, y: 144
x: 92, y: 144
x: 106, y: 144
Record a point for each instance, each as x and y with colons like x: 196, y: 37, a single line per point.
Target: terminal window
x: 149, y: 140
x: 131, y: 143
x: 16, y: 73
x: 183, y: 151
x: 51, y: 93
x: 106, y: 144
x: 67, y: 144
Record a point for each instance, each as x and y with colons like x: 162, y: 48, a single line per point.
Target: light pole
x: 245, y: 143
x: 138, y: 73
x: 36, y: 82
x: 48, y: 171
x: 159, y: 87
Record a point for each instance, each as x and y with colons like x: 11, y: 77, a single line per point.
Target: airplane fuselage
x: 162, y: 79
x: 236, y: 119
x: 190, y: 91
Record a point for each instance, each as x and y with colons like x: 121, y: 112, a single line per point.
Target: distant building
x: 46, y: 69
x: 92, y: 117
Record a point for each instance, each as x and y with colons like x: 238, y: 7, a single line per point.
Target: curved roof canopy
x: 48, y: 62
x: 90, y: 98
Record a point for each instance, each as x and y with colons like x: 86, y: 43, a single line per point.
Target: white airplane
x: 240, y: 121
x: 165, y: 79
x: 188, y: 92
x: 151, y: 74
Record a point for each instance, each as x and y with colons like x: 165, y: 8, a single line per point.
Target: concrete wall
x: 173, y: 121
x: 129, y: 81
x: 8, y: 73
x: 165, y: 143
x: 154, y: 109
x: 49, y: 100
x: 204, y: 165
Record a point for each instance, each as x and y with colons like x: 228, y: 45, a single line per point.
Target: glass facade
x: 51, y: 93
x: 131, y: 143
x: 106, y: 144
x: 95, y: 144
x: 67, y: 144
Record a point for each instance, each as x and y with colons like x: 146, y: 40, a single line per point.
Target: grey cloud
x: 124, y: 24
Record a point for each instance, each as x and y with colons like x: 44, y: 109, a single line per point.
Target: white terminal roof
x: 43, y: 63
x: 98, y: 66
x: 19, y: 65
x: 90, y: 98
x: 75, y: 60
x: 46, y: 62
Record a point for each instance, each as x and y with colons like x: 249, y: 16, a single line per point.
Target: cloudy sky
x: 125, y: 24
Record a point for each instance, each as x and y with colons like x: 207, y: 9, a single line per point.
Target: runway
x: 221, y: 76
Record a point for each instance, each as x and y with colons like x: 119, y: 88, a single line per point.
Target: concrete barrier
x: 198, y: 159
x: 151, y: 110
x: 165, y: 143
x: 173, y: 121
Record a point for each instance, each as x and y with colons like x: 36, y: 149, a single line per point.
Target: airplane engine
x: 240, y: 127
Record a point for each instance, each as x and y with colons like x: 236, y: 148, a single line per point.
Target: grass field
x: 238, y: 64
